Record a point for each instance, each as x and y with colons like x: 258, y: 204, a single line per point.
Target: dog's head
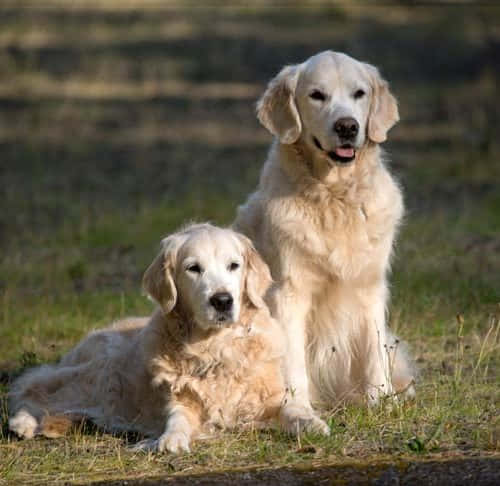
x: 332, y: 103
x: 210, y: 273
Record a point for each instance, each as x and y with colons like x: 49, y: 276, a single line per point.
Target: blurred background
x: 121, y: 120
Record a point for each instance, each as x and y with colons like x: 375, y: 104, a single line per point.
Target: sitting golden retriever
x: 209, y: 357
x: 324, y: 218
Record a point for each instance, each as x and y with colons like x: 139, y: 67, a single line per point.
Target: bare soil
x: 479, y: 471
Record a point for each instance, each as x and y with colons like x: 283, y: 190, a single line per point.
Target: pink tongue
x: 344, y: 152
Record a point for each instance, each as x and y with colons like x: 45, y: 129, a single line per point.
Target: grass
x: 454, y: 414
x: 119, y: 124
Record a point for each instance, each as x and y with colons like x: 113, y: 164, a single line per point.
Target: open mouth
x: 343, y: 154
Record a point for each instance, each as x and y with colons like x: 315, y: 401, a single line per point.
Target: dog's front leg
x: 290, y: 309
x: 182, y: 423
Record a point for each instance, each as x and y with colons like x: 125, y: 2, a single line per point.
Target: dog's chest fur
x: 229, y: 375
x: 339, y: 228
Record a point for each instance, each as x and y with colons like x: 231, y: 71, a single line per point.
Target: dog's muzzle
x: 344, y: 154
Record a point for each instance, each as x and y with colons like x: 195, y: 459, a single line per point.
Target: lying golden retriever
x: 324, y: 217
x: 209, y: 357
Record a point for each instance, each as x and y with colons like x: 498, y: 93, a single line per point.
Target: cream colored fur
x: 167, y: 376
x: 327, y: 231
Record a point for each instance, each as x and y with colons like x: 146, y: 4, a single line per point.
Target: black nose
x: 346, y: 128
x: 222, y: 301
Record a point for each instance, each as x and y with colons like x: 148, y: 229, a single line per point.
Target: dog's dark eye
x: 359, y: 94
x: 195, y: 268
x: 318, y: 95
x: 233, y: 266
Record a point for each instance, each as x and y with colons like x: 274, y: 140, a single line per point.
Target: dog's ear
x: 158, y: 280
x: 384, y: 107
x: 257, y: 277
x: 276, y: 109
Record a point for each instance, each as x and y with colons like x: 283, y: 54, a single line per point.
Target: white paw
x: 297, y: 418
x: 175, y: 441
x: 23, y: 424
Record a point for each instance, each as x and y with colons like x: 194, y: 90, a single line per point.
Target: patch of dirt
x: 480, y: 471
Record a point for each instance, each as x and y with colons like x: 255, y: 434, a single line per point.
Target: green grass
x: 118, y: 125
x: 454, y: 413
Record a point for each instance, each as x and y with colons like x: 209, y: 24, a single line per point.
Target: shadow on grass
x: 466, y: 471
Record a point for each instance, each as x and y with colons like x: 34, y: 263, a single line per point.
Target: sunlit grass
x: 119, y: 124
x: 453, y: 333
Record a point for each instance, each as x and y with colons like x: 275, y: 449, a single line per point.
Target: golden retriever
x: 208, y: 358
x: 324, y: 217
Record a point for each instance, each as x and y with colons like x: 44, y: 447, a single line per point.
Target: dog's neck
x: 183, y: 330
x: 182, y: 327
x: 311, y: 171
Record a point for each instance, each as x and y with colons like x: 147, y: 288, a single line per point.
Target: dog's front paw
x: 297, y: 418
x: 23, y: 424
x: 175, y: 441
